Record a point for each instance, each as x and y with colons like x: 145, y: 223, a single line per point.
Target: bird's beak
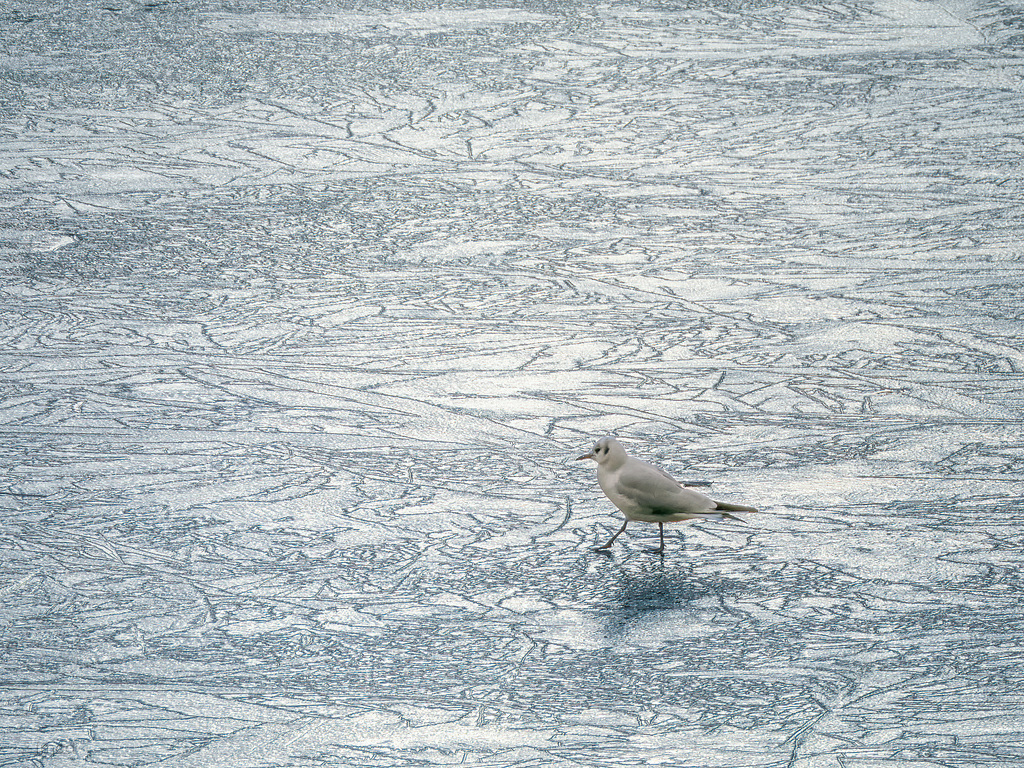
x: 585, y: 456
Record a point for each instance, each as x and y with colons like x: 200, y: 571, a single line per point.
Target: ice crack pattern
x: 307, y: 309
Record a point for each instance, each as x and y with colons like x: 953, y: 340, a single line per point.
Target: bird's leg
x: 613, y: 538
x: 661, y: 533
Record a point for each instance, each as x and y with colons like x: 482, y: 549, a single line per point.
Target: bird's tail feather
x: 721, y: 506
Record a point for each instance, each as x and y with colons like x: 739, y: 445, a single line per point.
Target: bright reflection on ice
x: 306, y: 312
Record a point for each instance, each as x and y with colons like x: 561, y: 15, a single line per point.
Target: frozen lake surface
x: 306, y: 311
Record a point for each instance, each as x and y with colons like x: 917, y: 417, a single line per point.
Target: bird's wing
x: 654, y: 489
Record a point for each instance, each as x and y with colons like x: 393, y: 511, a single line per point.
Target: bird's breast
x: 608, y: 482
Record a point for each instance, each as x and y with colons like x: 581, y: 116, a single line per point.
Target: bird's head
x: 606, y: 452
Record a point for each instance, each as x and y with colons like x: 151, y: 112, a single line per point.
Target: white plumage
x: 646, y: 492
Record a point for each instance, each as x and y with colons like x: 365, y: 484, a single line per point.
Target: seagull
x: 646, y: 492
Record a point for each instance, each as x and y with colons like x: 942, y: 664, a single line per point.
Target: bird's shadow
x: 636, y: 593
x: 656, y: 586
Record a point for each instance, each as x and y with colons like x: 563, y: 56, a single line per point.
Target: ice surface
x: 307, y: 309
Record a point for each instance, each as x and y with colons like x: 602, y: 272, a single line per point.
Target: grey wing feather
x: 653, y: 488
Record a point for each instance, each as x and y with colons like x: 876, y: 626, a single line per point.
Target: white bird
x: 645, y: 492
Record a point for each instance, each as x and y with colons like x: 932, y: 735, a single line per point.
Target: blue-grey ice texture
x: 306, y: 309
